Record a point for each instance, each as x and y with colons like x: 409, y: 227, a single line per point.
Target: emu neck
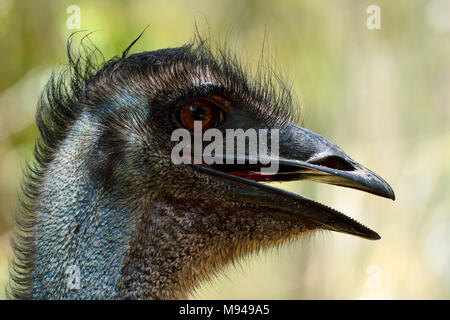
x: 91, y: 244
x: 82, y: 235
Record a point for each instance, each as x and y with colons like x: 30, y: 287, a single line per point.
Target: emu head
x: 111, y: 203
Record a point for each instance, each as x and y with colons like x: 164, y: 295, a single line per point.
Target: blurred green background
x: 383, y: 95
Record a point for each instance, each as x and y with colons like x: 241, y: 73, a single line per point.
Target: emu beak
x: 304, y: 155
x: 320, y: 160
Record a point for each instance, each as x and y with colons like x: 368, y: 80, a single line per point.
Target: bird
x: 106, y: 214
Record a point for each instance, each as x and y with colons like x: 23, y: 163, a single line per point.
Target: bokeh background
x: 383, y: 95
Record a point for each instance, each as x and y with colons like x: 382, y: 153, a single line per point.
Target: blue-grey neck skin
x: 78, y: 227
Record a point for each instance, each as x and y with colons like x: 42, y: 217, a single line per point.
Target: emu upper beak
x: 320, y: 160
x: 304, y: 155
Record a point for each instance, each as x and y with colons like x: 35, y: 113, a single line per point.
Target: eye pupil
x: 198, y: 113
x: 202, y: 110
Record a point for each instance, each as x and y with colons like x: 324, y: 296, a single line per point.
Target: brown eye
x: 200, y: 110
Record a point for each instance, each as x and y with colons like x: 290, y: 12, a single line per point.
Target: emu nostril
x: 335, y: 162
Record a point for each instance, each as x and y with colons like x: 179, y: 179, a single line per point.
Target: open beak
x: 303, y: 155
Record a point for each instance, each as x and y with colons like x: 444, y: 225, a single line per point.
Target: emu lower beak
x: 304, y: 155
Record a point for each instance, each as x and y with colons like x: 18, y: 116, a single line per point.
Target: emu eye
x: 200, y: 110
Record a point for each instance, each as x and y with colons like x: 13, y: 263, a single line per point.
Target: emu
x: 103, y: 200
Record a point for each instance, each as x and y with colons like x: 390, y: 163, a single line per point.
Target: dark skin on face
x: 305, y: 155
